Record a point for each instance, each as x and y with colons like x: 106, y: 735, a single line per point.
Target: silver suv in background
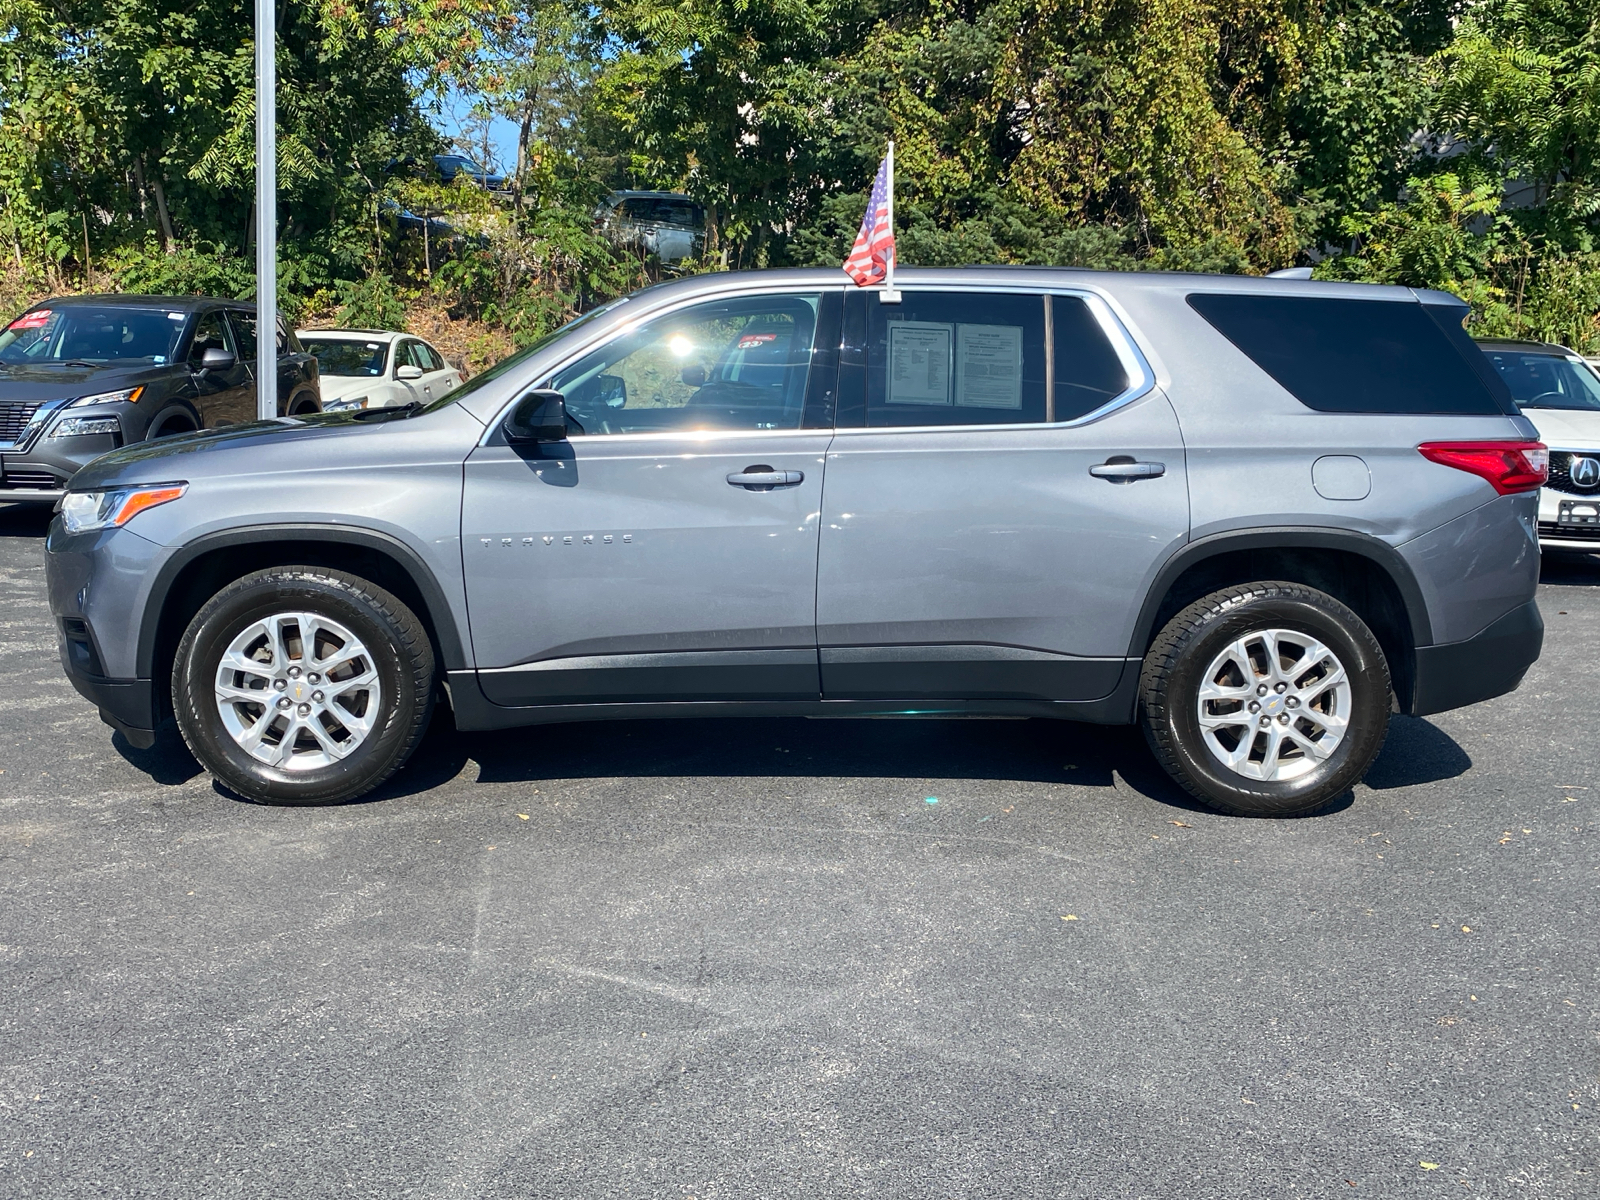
x: 667, y: 225
x: 1255, y: 516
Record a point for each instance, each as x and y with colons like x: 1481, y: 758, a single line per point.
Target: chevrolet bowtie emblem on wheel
x: 1585, y: 472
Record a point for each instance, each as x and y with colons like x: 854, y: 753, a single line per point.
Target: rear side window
x: 955, y: 358
x: 1353, y: 356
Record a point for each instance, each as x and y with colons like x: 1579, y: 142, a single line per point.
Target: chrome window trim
x: 1142, y: 379
x: 627, y: 327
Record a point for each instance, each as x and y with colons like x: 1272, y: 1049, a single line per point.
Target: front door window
x: 729, y: 364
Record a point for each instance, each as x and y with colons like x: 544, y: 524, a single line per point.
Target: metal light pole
x: 266, y: 210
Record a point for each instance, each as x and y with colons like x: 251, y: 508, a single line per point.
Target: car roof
x: 1113, y: 283
x: 628, y: 195
x: 165, y: 303
x: 1550, y: 348
x: 356, y: 334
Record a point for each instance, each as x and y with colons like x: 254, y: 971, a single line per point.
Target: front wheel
x: 1266, y: 699
x: 303, y: 685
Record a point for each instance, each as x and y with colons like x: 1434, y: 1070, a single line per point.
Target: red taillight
x: 1509, y: 466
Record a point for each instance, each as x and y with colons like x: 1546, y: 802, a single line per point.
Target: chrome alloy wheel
x: 298, y: 691
x: 1274, y: 704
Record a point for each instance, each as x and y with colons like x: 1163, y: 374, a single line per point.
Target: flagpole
x: 889, y: 294
x: 266, y: 210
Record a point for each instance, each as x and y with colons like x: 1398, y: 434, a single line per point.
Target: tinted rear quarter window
x: 1088, y: 373
x: 1353, y: 356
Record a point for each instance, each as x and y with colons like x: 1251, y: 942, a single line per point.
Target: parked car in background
x: 1255, y: 516
x: 668, y: 225
x: 1560, y: 393
x: 450, y: 166
x: 377, y: 368
x: 406, y: 221
x: 86, y: 374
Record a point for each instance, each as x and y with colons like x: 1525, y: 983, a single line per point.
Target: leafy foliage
x: 1438, y: 143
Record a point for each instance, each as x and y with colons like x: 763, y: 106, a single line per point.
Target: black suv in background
x: 85, y: 374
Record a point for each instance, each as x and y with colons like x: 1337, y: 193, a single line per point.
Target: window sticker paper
x: 989, y: 366
x: 919, y: 362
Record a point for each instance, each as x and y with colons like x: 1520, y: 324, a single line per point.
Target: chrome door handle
x: 765, y: 477
x: 1122, y: 469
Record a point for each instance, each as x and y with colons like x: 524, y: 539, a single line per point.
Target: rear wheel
x: 1266, y: 699
x: 303, y: 685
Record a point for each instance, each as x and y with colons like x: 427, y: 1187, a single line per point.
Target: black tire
x: 400, y: 654
x: 1175, y: 668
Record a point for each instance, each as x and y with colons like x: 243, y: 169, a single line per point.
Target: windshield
x: 91, y: 334
x: 340, y: 356
x: 670, y: 210
x: 1545, y: 381
x: 511, y: 361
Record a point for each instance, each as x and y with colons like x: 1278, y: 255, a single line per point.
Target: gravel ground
x: 800, y: 958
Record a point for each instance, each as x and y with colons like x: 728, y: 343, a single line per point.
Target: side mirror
x: 540, y: 416
x: 693, y: 375
x: 408, y: 372
x: 217, y: 359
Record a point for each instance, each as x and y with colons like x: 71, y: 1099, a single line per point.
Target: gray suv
x: 1256, y: 516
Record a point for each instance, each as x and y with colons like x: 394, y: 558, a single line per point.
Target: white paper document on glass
x: 989, y: 366
x: 919, y: 362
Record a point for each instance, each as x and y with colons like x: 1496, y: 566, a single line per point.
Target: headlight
x: 83, y: 512
x: 126, y: 396
x: 341, y: 405
x: 79, y: 426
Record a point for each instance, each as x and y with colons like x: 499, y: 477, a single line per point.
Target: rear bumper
x: 1480, y: 668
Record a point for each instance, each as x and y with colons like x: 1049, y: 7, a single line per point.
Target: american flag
x: 869, y: 257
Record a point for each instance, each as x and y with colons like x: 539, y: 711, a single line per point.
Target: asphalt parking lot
x: 800, y: 959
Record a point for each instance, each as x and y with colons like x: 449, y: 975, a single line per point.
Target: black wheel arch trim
x: 1285, y: 537
x: 439, y: 613
x: 177, y: 402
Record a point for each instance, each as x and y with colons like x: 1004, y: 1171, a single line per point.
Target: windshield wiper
x: 77, y: 362
x: 389, y: 414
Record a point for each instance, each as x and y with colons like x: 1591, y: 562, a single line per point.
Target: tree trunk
x: 160, y: 193
x: 523, y: 134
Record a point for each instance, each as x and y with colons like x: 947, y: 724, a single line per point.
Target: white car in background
x: 374, y: 368
x: 1560, y: 393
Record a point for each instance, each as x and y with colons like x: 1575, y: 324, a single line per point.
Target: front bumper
x: 1554, y: 535
x: 96, y: 583
x: 36, y: 466
x: 31, y: 495
x: 1480, y: 668
x: 127, y: 705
